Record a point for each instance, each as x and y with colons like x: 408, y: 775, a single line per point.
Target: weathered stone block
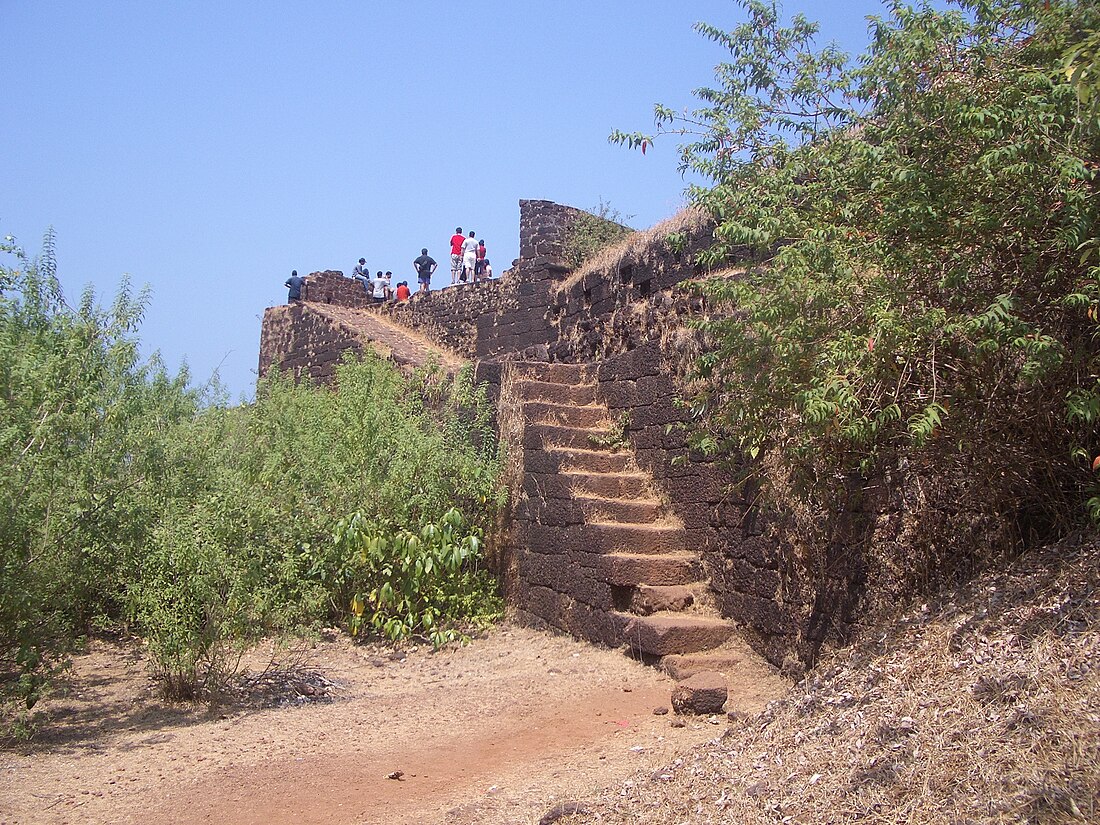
x: 704, y: 693
x: 647, y: 599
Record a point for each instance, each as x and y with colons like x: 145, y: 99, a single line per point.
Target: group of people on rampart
x: 469, y: 263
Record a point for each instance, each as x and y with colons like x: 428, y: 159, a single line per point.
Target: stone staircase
x: 601, y: 555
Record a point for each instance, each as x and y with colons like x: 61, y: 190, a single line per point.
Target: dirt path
x: 498, y: 731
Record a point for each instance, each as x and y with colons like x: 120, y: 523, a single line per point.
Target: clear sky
x: 208, y: 148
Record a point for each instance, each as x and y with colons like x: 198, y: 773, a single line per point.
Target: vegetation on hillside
x: 132, y: 501
x: 921, y: 286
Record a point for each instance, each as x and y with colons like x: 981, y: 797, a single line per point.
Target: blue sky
x: 208, y: 148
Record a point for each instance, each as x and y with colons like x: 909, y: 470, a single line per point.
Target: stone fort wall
x: 625, y: 315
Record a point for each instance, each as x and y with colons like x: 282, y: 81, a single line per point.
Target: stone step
x: 552, y: 372
x: 633, y: 569
x: 554, y: 393
x: 666, y: 633
x: 622, y: 510
x: 557, y: 459
x: 647, y: 599
x: 609, y: 485
x: 642, y: 539
x: 566, y: 415
x: 725, y: 660
x: 548, y: 436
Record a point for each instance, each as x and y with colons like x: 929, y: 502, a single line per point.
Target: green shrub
x: 429, y: 581
x: 901, y: 318
x: 246, y: 544
x: 128, y: 497
x: 82, y: 443
x: 921, y: 229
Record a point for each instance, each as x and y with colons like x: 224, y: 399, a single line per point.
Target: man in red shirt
x: 456, y: 254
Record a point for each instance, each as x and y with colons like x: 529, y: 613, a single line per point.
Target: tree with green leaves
x: 905, y: 270
x: 130, y: 500
x: 82, y: 440
x: 922, y: 229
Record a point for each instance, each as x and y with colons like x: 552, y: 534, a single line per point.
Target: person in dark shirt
x: 294, y: 284
x: 425, y: 266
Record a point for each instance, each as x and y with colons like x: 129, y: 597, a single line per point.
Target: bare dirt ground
x: 499, y: 731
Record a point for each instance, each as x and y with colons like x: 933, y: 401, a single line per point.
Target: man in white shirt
x: 381, y: 287
x: 469, y: 256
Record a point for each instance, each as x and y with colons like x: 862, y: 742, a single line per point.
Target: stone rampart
x: 331, y: 287
x: 304, y: 343
x: 624, y: 314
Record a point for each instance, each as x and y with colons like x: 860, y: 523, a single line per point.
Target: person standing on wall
x: 294, y: 284
x: 479, y: 265
x: 469, y: 256
x: 456, y: 253
x: 425, y: 266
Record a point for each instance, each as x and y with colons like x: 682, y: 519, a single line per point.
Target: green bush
x: 82, y: 441
x: 920, y: 230
x: 901, y: 320
x: 428, y: 581
x: 247, y: 543
x: 129, y: 498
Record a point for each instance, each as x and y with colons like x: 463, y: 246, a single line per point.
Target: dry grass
x: 982, y: 708
x: 640, y: 246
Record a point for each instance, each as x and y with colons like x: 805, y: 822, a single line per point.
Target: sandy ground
x: 499, y: 731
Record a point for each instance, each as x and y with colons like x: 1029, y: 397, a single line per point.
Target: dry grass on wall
x: 981, y: 708
x: 642, y: 247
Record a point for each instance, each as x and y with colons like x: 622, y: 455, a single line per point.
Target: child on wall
x: 479, y: 265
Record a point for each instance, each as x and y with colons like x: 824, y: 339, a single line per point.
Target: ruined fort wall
x: 304, y: 343
x: 627, y: 315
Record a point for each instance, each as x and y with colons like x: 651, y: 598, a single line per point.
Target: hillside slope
x: 981, y: 707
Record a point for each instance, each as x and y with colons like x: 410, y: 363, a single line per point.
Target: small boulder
x: 701, y: 694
